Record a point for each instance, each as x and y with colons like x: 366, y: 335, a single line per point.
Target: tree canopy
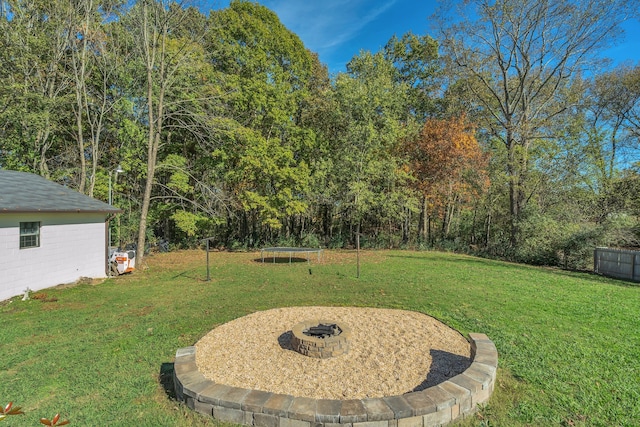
x: 501, y: 134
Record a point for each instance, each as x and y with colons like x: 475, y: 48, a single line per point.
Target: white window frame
x: 29, y: 235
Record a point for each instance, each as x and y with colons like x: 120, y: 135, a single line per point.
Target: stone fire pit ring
x: 456, y: 397
x: 320, y: 347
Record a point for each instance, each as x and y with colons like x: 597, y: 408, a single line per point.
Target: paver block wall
x: 435, y: 406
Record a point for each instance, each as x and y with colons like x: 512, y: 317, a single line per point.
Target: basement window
x: 29, y: 235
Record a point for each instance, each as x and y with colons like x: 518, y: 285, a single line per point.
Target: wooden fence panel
x: 618, y: 263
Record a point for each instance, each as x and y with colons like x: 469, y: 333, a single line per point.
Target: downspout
x: 107, y: 220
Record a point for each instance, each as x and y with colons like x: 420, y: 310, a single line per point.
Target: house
x: 49, y: 234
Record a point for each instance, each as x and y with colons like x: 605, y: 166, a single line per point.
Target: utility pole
x: 208, y: 239
x: 358, y: 250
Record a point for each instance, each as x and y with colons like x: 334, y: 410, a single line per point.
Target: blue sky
x: 338, y: 29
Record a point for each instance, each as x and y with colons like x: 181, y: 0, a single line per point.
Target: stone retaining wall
x: 435, y: 406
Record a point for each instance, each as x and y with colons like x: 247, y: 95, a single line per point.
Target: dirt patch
x: 44, y: 297
x: 82, y: 281
x: 197, y: 258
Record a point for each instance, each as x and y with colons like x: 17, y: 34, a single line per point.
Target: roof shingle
x: 27, y: 192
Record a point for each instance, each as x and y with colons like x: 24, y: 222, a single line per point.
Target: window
x: 29, y: 235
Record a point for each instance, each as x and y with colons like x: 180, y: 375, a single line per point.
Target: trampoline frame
x: 290, y: 251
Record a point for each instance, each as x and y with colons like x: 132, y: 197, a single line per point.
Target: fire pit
x: 320, y: 338
x: 403, y: 369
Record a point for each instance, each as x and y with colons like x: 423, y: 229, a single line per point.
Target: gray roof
x: 26, y: 192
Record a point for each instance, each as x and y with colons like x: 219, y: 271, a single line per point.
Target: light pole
x: 117, y: 171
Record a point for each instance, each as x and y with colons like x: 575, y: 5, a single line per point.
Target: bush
x: 310, y: 240
x: 540, y: 239
x: 545, y: 241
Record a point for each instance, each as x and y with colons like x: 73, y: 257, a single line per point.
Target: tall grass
x: 100, y: 354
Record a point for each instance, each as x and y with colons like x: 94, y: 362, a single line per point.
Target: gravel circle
x: 391, y: 352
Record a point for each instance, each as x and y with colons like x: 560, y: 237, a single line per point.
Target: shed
x: 49, y: 234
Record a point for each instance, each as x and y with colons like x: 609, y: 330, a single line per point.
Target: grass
x: 101, y: 354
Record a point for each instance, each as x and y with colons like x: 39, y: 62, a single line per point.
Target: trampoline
x: 290, y: 251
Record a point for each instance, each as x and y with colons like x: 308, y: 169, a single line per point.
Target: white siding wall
x: 72, y: 245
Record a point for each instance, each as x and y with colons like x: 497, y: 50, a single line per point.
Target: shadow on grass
x: 579, y: 274
x: 455, y: 257
x: 601, y: 278
x: 444, y: 365
x: 166, y: 380
x: 190, y: 274
x: 279, y: 260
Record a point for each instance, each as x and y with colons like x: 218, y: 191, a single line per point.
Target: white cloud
x: 329, y: 28
x: 325, y: 25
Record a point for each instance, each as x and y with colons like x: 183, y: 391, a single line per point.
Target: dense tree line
x: 502, y: 135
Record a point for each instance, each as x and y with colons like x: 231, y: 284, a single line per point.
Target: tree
x: 609, y: 134
x: 366, y: 168
x: 449, y: 168
x: 631, y: 107
x: 521, y: 60
x: 170, y: 62
x: 33, y: 85
x: 419, y: 68
x: 79, y: 33
x: 319, y: 114
x: 96, y: 68
x: 262, y: 146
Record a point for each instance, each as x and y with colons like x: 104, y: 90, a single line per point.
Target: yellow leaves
x: 187, y: 222
x: 179, y: 180
x: 271, y: 208
x: 190, y: 51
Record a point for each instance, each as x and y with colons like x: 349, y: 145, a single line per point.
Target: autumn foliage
x: 54, y: 422
x: 9, y: 409
x: 448, y: 165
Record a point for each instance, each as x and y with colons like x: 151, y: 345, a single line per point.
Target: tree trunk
x: 472, y: 238
x: 514, y: 205
x: 422, y: 220
x: 155, y: 123
x: 406, y: 225
x: 487, y: 234
x: 358, y: 250
x: 79, y: 61
x: 80, y: 141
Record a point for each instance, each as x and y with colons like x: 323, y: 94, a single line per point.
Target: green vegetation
x: 505, y: 136
x: 99, y: 354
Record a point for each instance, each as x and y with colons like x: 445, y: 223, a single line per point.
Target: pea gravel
x: 391, y: 352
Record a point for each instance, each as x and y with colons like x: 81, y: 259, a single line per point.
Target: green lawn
x: 568, y: 343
